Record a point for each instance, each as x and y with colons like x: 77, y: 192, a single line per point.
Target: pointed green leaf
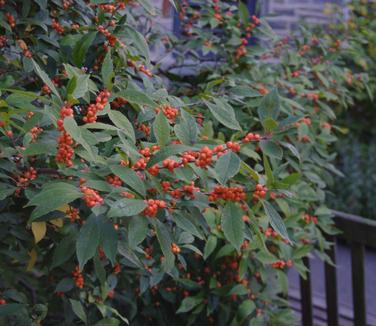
x: 161, y: 128
x: 122, y: 122
x: 227, y: 166
x: 275, y: 219
x: 224, y: 113
x: 233, y: 224
x: 53, y: 196
x: 88, y: 241
x: 137, y: 230
x: 270, y: 106
x: 107, y: 71
x: 126, y: 207
x: 130, y: 178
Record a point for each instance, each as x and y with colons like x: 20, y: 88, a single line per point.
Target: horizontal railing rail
x: 359, y: 232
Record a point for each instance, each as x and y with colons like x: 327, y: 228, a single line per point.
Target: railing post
x: 358, y: 284
x: 306, y: 296
x: 331, y: 286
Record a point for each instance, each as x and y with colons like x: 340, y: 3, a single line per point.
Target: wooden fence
x: 359, y: 233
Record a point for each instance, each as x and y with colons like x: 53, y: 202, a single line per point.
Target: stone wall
x: 283, y: 15
x: 286, y: 15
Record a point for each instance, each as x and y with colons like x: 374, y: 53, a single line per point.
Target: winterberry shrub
x: 126, y: 202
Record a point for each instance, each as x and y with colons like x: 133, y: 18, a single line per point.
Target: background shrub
x: 122, y: 201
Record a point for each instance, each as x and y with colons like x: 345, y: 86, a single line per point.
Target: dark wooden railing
x: 359, y: 233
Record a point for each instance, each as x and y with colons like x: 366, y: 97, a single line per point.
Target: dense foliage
x: 354, y: 193
x: 125, y: 202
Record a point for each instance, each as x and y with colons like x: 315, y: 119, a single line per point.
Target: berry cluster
x: 25, y: 178
x: 118, y: 103
x: 10, y: 19
x: 186, y: 190
x: 260, y: 192
x: 78, y: 278
x: 111, y: 9
x: 310, y: 218
x: 111, y: 38
x: 72, y: 213
x: 91, y: 197
x: 3, y: 41
x: 144, y: 128
x: 45, y: 89
x: 270, y: 233
x: 100, y: 103
x: 35, y: 131
x: 65, y: 150
x: 205, y: 157
x: 233, y: 146
x: 67, y: 4
x: 251, y: 137
x: 3, y: 301
x: 235, y: 194
x: 306, y: 121
x: 152, y: 207
x: 170, y: 165
x: 116, y: 269
x: 281, y: 264
x: 127, y: 194
x: 114, y: 180
x: 57, y: 27
x: 217, y: 11
x: 170, y: 112
x: 175, y: 249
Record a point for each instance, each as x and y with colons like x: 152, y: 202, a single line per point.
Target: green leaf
x: 78, y: 86
x: 138, y: 40
x: 10, y: 309
x: 126, y: 207
x: 275, y: 220
x: 88, y: 241
x: 270, y: 106
x: 163, y: 236
x: 45, y: 78
x: 187, y: 129
x: 269, y: 124
x: 137, y: 230
x: 227, y: 166
x: 292, y: 149
x: 245, y: 309
x: 137, y: 97
x: 243, y: 12
x: 188, y: 304
x: 109, y: 238
x: 71, y: 127
x: 233, y: 224
x: 122, y: 122
x: 107, y: 71
x: 81, y: 48
x: 167, y: 152
x: 210, y: 246
x: 224, y: 113
x: 161, y: 128
x: 78, y: 310
x: 186, y: 224
x: 130, y: 178
x: 53, y: 196
x: 108, y: 322
x: 64, y: 250
x: 271, y: 149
